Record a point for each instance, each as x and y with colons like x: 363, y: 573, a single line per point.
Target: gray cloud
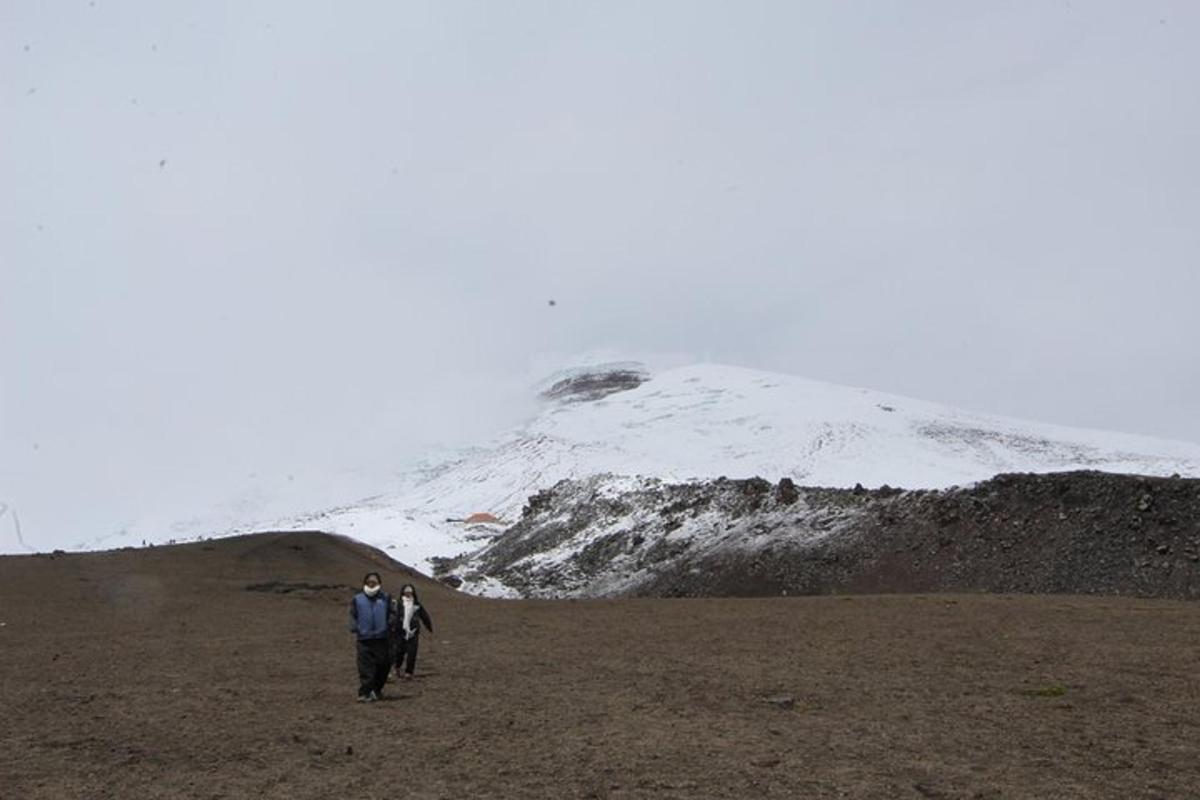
x: 285, y: 237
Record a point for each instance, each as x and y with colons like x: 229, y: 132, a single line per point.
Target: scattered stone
x: 756, y: 486
x: 781, y: 701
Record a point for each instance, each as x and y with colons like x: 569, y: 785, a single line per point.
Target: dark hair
x: 378, y: 577
x: 409, y: 586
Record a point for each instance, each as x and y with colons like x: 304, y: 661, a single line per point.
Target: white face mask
x: 371, y: 591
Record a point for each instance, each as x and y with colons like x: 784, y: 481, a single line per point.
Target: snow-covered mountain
x: 696, y: 422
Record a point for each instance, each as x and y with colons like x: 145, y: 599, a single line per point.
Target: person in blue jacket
x: 371, y: 622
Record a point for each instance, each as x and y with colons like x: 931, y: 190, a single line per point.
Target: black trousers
x: 406, y: 653
x: 373, y: 665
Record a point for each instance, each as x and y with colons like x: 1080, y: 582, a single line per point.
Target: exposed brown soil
x: 157, y: 673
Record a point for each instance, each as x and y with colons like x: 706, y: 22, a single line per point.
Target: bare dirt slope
x: 156, y: 673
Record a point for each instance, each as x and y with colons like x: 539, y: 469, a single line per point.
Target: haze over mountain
x: 300, y: 241
x: 694, y: 422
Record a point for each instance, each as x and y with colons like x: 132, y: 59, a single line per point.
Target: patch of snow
x: 490, y: 587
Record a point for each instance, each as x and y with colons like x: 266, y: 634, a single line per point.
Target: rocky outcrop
x: 594, y: 383
x: 1076, y: 532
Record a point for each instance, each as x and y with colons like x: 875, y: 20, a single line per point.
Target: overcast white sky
x: 284, y: 237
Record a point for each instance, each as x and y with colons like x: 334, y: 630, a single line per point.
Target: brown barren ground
x: 156, y: 673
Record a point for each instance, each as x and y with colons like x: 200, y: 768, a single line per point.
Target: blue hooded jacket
x: 370, y: 616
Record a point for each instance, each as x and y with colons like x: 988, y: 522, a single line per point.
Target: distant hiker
x: 408, y: 632
x: 371, y: 621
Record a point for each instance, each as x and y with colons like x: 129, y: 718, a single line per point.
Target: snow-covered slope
x: 706, y: 421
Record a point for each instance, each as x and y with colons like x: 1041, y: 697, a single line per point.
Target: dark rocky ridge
x: 1076, y: 532
x: 595, y: 384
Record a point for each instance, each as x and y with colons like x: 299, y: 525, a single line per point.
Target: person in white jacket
x: 408, y: 617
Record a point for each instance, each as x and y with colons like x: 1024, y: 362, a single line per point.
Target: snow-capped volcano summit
x: 581, y: 384
x: 706, y: 421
